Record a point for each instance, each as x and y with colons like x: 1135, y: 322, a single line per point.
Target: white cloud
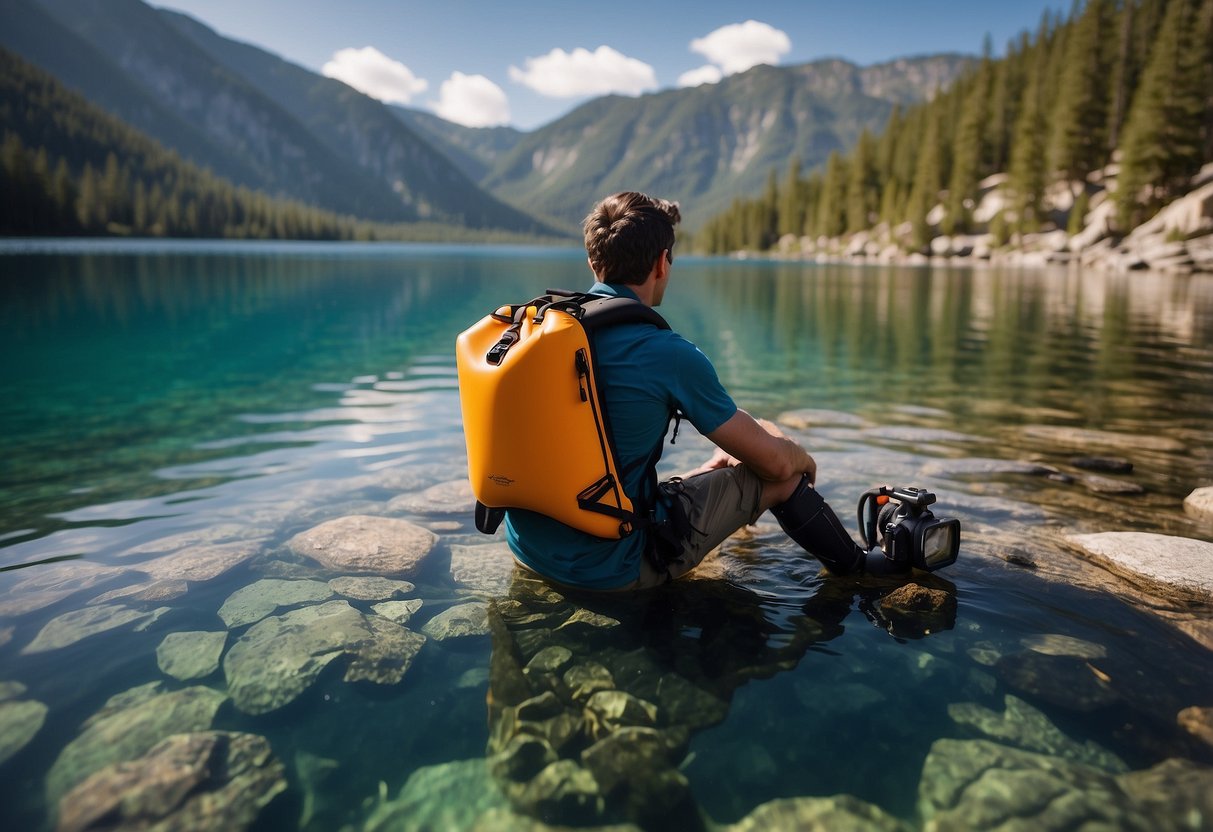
x: 704, y: 75
x: 739, y: 46
x: 370, y: 71
x: 561, y: 74
x: 473, y: 101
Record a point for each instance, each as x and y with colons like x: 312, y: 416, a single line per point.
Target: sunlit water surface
x: 260, y: 390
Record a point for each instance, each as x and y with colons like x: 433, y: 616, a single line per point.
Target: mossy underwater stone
x: 369, y: 587
x: 366, y: 544
x: 251, y: 603
x: 20, y: 722
x: 459, y: 621
x: 191, y: 655
x: 124, y: 732
x: 398, y: 611
x: 192, y: 781
x: 387, y: 657
x: 70, y: 627
x: 279, y: 657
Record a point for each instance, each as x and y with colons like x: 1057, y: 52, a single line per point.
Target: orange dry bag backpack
x: 536, y: 432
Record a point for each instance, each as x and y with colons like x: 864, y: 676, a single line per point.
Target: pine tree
x: 968, y: 152
x: 1077, y: 143
x: 791, y: 201
x: 831, y: 205
x: 1164, y: 132
x: 863, y: 189
x: 926, y: 186
x: 1027, y: 174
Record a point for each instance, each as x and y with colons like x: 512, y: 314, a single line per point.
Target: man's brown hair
x: 626, y: 233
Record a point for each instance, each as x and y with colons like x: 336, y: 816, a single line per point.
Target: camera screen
x: 940, y: 544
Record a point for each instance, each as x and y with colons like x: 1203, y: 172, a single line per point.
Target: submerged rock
x: 1055, y: 644
x: 609, y: 710
x: 454, y: 497
x: 254, y: 602
x: 808, y: 418
x: 278, y: 658
x: 1172, y: 566
x: 1067, y: 437
x: 191, y: 655
x: 818, y: 814
x: 486, y: 569
x: 153, y: 591
x: 916, y: 610
x: 1103, y: 464
x: 203, y: 563
x: 1198, y: 722
x: 980, y: 784
x: 398, y: 611
x: 20, y: 721
x: 369, y: 588
x: 458, y: 622
x: 11, y: 690
x: 361, y: 543
x: 1025, y: 727
x: 71, y: 627
x: 1065, y: 681
x: 207, y: 780
x: 446, y: 796
x: 1109, y: 485
x: 127, y: 729
x: 387, y: 656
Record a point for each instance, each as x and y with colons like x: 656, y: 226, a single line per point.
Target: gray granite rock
x: 190, y: 655
x: 1110, y: 485
x: 552, y: 659
x: 191, y: 781
x: 20, y: 721
x: 387, y: 656
x: 1200, y: 502
x: 127, y: 729
x: 50, y: 583
x: 251, y: 603
x: 808, y: 418
x: 398, y: 611
x: 486, y: 569
x: 153, y: 591
x: 203, y: 563
x: 71, y: 627
x: 1080, y: 438
x: 819, y: 814
x: 1176, y: 567
x: 586, y: 679
x: 459, y: 621
x: 453, y: 497
x: 360, y: 543
x: 1025, y: 727
x: 369, y: 587
x: 278, y: 658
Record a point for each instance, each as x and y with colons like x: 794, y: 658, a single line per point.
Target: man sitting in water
x: 645, y: 374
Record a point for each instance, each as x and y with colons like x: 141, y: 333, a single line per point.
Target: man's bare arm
x: 762, y: 448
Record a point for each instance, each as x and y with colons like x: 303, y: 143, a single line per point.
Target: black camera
x: 899, y: 522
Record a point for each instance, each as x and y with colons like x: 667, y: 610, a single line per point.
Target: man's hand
x: 762, y: 447
x: 720, y: 459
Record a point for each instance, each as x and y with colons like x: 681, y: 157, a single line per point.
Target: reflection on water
x: 177, y: 417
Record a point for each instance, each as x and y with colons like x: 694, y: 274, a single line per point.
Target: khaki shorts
x: 718, y: 503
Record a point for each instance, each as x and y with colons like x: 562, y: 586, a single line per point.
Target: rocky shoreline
x: 1178, y: 240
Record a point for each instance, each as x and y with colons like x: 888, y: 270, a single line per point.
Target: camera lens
x: 940, y: 544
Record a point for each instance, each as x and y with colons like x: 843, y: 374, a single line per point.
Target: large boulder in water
x: 364, y: 544
x: 1174, y: 567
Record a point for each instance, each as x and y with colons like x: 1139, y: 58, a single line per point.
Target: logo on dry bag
x: 500, y: 480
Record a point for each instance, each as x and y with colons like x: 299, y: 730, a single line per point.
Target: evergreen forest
x: 69, y: 168
x: 1116, y: 89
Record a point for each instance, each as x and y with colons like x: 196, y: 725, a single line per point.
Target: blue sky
x: 487, y: 62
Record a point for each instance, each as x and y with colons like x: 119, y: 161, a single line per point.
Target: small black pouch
x: 669, y: 536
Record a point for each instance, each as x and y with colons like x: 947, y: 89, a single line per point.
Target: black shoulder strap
x: 598, y: 311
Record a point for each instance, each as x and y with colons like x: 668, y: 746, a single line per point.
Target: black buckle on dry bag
x: 488, y: 519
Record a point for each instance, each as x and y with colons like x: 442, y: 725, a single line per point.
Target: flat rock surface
x: 20, y: 720
x: 127, y: 729
x: 1070, y: 438
x: 278, y: 658
x: 486, y: 569
x: 254, y: 602
x: 71, y: 627
x: 398, y: 611
x: 458, y: 622
x: 454, y: 497
x: 387, y: 656
x: 190, y: 781
x: 369, y: 587
x: 361, y: 543
x: 202, y: 563
x: 1170, y: 565
x: 190, y: 655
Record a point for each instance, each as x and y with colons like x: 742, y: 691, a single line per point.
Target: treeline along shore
x: 1090, y: 141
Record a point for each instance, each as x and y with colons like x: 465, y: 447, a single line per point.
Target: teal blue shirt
x: 644, y: 374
